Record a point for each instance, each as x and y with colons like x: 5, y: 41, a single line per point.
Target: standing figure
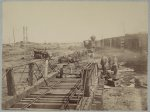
x: 61, y: 72
x: 114, y: 67
x: 104, y: 61
x: 115, y: 70
x: 115, y: 60
x: 110, y: 62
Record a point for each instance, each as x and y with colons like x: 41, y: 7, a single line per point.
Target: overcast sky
x: 72, y: 21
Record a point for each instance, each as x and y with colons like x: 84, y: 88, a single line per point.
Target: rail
x: 70, y: 95
x: 41, y: 95
x: 89, y: 75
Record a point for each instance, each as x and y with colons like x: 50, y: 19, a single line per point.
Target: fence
x: 17, y: 78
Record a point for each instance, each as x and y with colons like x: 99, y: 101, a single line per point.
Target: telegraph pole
x: 14, y: 36
x: 102, y: 41
x: 26, y: 34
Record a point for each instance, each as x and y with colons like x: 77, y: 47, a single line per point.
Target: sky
x: 64, y: 21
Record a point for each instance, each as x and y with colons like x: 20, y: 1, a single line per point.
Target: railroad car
x: 134, y: 42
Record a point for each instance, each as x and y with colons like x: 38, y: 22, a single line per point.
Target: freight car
x: 134, y: 42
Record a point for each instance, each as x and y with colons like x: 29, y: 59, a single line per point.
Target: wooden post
x: 30, y: 76
x: 10, y: 82
x: 46, y: 68
x: 87, y: 86
x: 96, y: 74
x: 96, y: 68
x: 83, y: 78
x: 93, y: 77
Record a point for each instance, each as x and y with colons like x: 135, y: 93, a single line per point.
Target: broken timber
x: 78, y: 93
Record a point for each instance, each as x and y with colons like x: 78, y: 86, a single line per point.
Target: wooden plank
x: 63, y: 88
x: 52, y: 98
x: 74, y: 101
x: 50, y: 101
x: 30, y: 76
x: 50, y: 105
x: 39, y: 105
x: 32, y: 109
x: 28, y: 98
x: 47, y: 96
x: 10, y: 82
x: 46, y: 68
x: 60, y: 86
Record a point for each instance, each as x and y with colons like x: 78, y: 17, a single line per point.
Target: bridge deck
x: 52, y: 96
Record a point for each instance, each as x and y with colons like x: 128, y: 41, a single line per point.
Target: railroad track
x: 59, y: 94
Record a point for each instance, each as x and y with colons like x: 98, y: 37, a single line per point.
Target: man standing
x: 115, y: 60
x: 110, y: 62
x: 115, y: 67
x: 104, y: 61
x: 61, y: 72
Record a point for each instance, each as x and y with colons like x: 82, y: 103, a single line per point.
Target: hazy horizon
x: 65, y: 21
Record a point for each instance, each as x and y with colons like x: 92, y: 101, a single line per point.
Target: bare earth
x: 126, y: 98
x: 115, y: 98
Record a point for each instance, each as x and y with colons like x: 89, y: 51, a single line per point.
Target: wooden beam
x: 87, y: 86
x: 30, y: 76
x: 39, y: 105
x: 44, y: 105
x: 46, y: 68
x: 11, y: 91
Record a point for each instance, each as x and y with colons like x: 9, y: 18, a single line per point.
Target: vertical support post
x: 92, y: 77
x: 30, y: 76
x: 83, y: 78
x: 96, y: 75
x: 87, y: 86
x: 96, y: 69
x: 46, y: 68
x: 24, y: 40
x: 10, y: 82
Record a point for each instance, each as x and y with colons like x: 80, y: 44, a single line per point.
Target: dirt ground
x: 115, y: 98
x: 127, y: 97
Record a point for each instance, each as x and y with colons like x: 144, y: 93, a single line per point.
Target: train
x: 133, y: 42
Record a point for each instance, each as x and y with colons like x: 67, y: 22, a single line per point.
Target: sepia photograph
x: 74, y: 55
